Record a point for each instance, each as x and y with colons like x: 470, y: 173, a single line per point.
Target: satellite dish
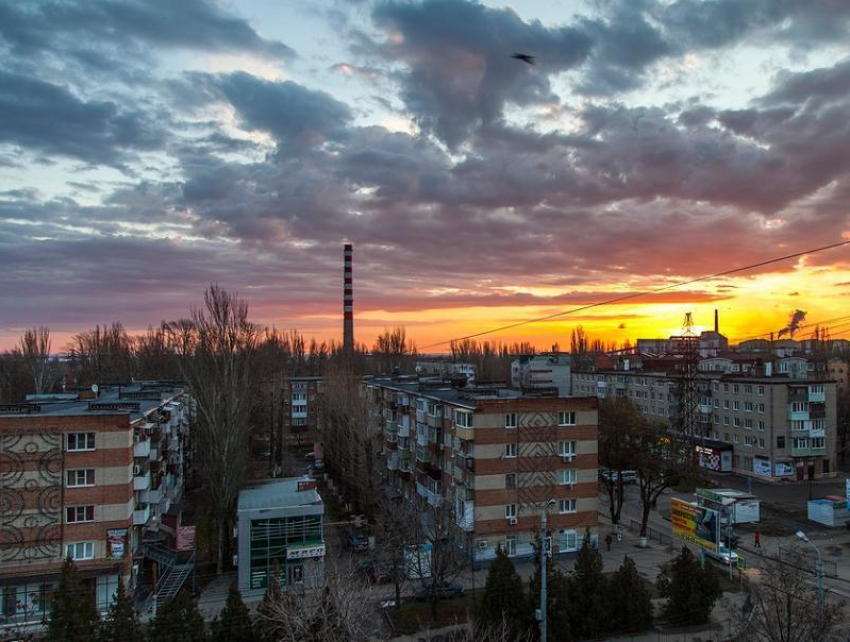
x: 95, y: 388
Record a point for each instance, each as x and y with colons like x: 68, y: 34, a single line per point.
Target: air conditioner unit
x: 512, y: 521
x: 137, y: 470
x: 567, y: 457
x: 136, y: 438
x: 482, y: 544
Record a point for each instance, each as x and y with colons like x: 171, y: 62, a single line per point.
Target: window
x: 748, y: 424
x: 717, y: 419
x: 750, y: 441
x: 567, y: 448
x: 80, y: 551
x: 748, y: 389
x: 799, y: 406
x: 761, y: 442
x: 737, y: 422
x: 299, y: 396
x: 736, y: 437
x: 817, y: 442
x: 725, y: 387
x: 761, y: 407
x: 510, y: 511
x: 780, y: 441
x: 510, y: 420
x: 725, y: 436
x: 716, y: 436
x: 748, y: 406
x: 566, y: 418
x: 78, y: 441
x: 79, y: 478
x: 761, y: 425
x: 726, y: 420
x: 799, y: 443
x: 736, y: 388
x: 726, y: 404
x: 463, y: 419
x: 567, y: 506
x: 510, y: 480
x: 569, y: 540
x: 761, y: 390
x: 716, y: 403
x: 510, y: 545
x: 299, y: 421
x: 510, y: 450
x: 79, y: 514
x: 567, y: 477
x: 736, y: 405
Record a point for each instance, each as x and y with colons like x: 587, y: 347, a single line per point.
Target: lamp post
x: 818, y: 568
x: 544, y: 570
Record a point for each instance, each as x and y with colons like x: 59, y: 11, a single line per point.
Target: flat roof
x: 135, y: 399
x: 283, y: 493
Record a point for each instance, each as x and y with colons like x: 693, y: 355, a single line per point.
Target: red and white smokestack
x: 348, y: 301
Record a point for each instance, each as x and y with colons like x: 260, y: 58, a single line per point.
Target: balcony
x: 152, y: 496
x: 798, y: 415
x: 817, y: 397
x: 296, y: 403
x: 142, y: 449
x: 392, y: 461
x: 705, y: 409
x: 141, y: 515
x: 423, y: 455
x: 390, y: 427
x: 462, y: 432
x: 421, y: 416
x: 422, y: 438
x: 404, y: 453
x: 154, y: 454
x: 404, y: 428
x: 142, y: 482
x: 433, y: 498
x: 299, y: 414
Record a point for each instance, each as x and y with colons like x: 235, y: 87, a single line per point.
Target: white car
x: 722, y: 555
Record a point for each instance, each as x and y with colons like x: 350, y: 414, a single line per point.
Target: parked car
x: 358, y: 542
x: 443, y: 591
x: 377, y: 572
x: 722, y: 555
x: 629, y: 476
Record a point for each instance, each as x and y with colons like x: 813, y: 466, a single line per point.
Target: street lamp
x: 818, y: 568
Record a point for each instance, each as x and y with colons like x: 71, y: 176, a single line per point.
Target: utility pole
x: 544, y: 519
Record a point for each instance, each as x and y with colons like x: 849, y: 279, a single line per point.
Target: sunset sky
x: 150, y: 147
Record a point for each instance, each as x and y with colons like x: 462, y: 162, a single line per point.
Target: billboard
x: 695, y: 524
x: 116, y: 543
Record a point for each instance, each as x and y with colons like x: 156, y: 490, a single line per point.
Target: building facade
x: 778, y: 426
x: 301, y: 410
x: 543, y: 372
x: 93, y: 479
x: 280, y: 535
x: 497, y: 456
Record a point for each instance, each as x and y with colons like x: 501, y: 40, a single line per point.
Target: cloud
x: 50, y: 119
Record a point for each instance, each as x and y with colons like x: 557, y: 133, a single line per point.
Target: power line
x: 635, y: 295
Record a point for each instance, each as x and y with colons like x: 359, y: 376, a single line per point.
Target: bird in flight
x: 524, y: 57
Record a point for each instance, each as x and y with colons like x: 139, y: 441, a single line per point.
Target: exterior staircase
x: 173, y: 572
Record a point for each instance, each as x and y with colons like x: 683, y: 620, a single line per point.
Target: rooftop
x: 280, y: 494
x: 135, y: 399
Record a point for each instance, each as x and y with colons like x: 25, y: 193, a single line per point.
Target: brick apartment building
x: 776, y: 421
x: 91, y: 478
x: 497, y: 455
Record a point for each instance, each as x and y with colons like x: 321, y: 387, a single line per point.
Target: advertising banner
x: 302, y: 552
x: 185, y: 538
x: 695, y: 524
x: 761, y: 466
x: 116, y: 543
x: 783, y: 469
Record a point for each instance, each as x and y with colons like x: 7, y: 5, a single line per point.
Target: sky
x: 149, y: 148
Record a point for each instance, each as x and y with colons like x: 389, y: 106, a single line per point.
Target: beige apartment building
x: 498, y: 456
x: 781, y: 426
x: 92, y: 476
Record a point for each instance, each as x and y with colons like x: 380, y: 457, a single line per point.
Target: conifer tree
x: 690, y: 589
x: 588, y: 613
x: 234, y: 622
x: 73, y: 614
x: 629, y: 603
x: 178, y: 619
x: 122, y: 622
x: 503, y: 597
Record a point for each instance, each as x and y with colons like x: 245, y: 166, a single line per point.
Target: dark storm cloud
x: 460, y: 74
x: 33, y: 27
x: 50, y: 119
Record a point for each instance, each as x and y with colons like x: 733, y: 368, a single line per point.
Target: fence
x: 654, y: 535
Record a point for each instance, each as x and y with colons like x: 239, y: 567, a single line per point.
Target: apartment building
x: 497, y: 456
x: 301, y: 409
x: 91, y: 478
x: 777, y: 425
x: 543, y: 372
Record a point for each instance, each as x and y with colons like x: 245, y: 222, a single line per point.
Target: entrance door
x: 294, y: 575
x: 811, y: 470
x: 800, y: 472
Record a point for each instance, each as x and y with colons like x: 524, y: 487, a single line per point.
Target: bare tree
x: 617, y: 417
x: 782, y: 606
x: 219, y: 365
x: 349, y: 426
x: 34, y: 350
x: 102, y: 355
x: 394, y: 350
x: 342, y: 612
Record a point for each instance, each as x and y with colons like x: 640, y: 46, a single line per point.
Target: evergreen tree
x: 588, y: 612
x: 503, y: 597
x: 73, y: 614
x: 122, y: 622
x: 234, y: 622
x: 178, y: 619
x: 557, y: 602
x: 690, y: 589
x: 629, y: 604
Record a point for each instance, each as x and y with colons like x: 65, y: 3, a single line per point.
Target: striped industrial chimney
x: 347, y: 302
